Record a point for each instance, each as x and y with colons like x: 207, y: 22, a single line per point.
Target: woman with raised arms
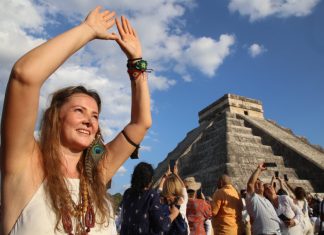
x: 57, y: 185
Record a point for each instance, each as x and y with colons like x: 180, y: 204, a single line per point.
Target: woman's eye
x: 78, y: 110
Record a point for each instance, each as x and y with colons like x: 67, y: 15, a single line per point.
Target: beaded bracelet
x: 137, y: 68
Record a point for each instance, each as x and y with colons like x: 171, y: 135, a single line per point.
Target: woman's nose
x: 87, y: 121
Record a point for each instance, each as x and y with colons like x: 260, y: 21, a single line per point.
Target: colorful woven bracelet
x: 134, y: 73
x: 135, y: 69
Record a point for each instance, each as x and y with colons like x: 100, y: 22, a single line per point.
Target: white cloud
x: 163, y: 39
x: 22, y: 13
x: 207, y: 55
x: 160, y: 82
x: 256, y: 50
x: 259, y: 9
x: 146, y: 148
x: 15, y: 18
x: 24, y: 24
x: 121, y: 171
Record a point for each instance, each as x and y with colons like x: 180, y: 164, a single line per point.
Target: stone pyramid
x: 233, y: 137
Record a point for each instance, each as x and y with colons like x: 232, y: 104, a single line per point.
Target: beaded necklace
x: 83, y: 212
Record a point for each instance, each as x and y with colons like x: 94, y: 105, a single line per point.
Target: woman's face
x: 269, y: 190
x: 79, y: 122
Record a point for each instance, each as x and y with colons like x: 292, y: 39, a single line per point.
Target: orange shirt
x: 226, y: 209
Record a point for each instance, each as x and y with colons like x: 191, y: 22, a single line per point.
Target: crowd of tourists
x: 178, y: 206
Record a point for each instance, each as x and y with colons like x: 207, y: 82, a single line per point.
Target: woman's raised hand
x: 100, y: 22
x: 128, y: 41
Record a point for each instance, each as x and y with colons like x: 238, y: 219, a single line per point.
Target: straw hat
x: 191, y: 183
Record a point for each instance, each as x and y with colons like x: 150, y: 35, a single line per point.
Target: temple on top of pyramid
x: 233, y: 104
x: 233, y: 137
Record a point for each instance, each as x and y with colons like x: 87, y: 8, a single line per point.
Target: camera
x: 269, y: 164
x: 172, y: 165
x: 276, y: 174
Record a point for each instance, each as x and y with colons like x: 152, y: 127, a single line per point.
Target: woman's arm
x: 163, y: 178
x: 176, y: 173
x: 120, y: 148
x: 28, y: 75
x: 298, y: 218
x: 21, y: 161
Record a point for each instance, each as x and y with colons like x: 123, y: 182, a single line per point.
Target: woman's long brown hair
x: 55, y: 186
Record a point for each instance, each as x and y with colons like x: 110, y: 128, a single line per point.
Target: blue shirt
x: 143, y: 213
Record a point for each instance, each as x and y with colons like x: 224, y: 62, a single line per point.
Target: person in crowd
x: 301, y: 202
x: 246, y: 225
x: 299, y: 196
x: 57, y: 185
x: 316, y: 212
x: 321, y: 217
x: 173, y: 193
x: 313, y: 211
x: 198, y: 210
x: 289, y: 213
x: 281, y: 190
x: 263, y: 217
x: 208, y: 222
x: 142, y: 211
x: 226, y: 208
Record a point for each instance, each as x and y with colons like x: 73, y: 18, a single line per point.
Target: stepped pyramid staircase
x: 233, y: 137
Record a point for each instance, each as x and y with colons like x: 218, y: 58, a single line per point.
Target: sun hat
x: 191, y: 183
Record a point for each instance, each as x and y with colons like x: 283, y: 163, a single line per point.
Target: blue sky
x: 271, y: 50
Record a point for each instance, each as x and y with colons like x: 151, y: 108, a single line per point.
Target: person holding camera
x: 198, y: 209
x: 289, y: 213
x: 263, y: 217
x: 174, y: 194
x: 299, y: 197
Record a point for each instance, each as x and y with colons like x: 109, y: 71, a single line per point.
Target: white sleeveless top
x: 37, y: 218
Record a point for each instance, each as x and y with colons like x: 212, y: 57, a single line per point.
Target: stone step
x: 243, y: 138
x: 254, y: 161
x: 237, y: 147
x: 208, y: 144
x: 239, y: 129
x: 234, y: 122
x: 288, y: 139
x: 246, y: 170
x: 290, y: 172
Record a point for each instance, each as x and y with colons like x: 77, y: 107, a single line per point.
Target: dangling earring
x: 94, y: 154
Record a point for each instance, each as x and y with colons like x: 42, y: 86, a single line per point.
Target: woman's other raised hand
x: 100, y: 21
x: 129, y: 41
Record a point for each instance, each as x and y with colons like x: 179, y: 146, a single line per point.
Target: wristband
x: 139, y: 65
x: 137, y: 68
x: 134, y: 73
x: 130, y: 60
